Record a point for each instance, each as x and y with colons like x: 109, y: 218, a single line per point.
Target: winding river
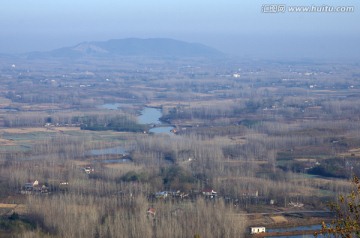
x: 148, y: 116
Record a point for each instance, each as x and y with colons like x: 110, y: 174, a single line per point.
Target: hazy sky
x: 233, y: 26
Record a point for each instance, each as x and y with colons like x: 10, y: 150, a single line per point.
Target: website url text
x: 282, y: 8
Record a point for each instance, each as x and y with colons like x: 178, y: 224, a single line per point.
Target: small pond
x: 162, y: 130
x: 119, y: 150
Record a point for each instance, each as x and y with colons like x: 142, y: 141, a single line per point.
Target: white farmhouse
x: 257, y: 229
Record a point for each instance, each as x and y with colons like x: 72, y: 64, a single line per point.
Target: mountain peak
x: 152, y: 47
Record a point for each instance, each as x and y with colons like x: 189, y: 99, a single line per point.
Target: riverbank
x: 294, y: 226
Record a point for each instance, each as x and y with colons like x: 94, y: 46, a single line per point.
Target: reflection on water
x: 108, y: 151
x: 110, y: 106
x: 162, y: 130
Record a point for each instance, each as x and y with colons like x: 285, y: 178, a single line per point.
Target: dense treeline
x: 93, y: 216
x: 118, y: 123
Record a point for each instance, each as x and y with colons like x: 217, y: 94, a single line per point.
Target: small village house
x: 151, y: 212
x: 209, y: 193
x: 257, y: 229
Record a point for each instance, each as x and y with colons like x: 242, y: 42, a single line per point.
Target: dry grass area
x: 198, y: 103
x: 6, y: 205
x: 325, y: 181
x: 4, y: 102
x: 353, y: 152
x: 142, y: 86
x: 119, y: 167
x: 18, y: 208
x: 279, y: 219
x: 5, y: 142
x: 223, y: 140
x: 80, y: 163
x: 211, y: 103
x: 259, y: 220
x: 37, y: 129
x: 220, y: 141
x: 238, y: 140
x: 123, y: 168
x: 40, y: 107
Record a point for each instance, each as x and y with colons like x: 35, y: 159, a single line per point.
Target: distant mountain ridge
x: 153, y: 47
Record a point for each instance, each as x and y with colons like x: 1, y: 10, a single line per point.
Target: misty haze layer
x: 234, y: 27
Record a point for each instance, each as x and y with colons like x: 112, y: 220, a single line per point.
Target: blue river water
x: 108, y: 151
x: 148, y: 116
x: 299, y: 228
x: 152, y: 116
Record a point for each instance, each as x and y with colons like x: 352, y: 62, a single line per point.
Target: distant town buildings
x: 34, y: 187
